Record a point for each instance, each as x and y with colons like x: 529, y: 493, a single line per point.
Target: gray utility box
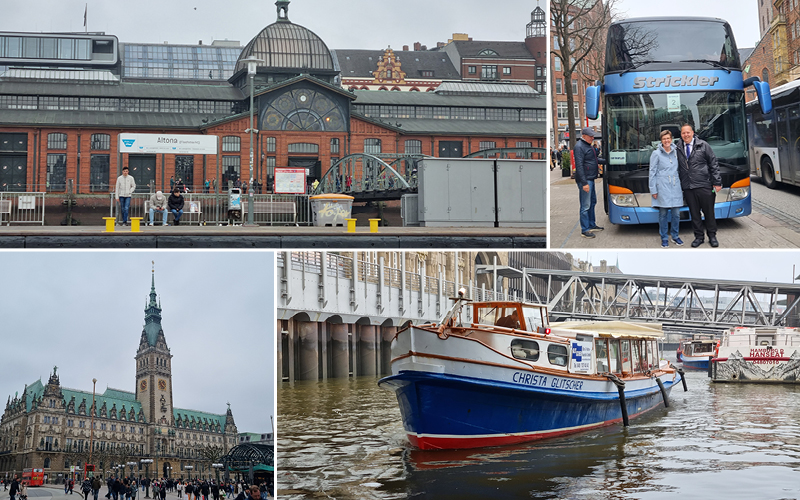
x: 409, y: 209
x: 466, y: 192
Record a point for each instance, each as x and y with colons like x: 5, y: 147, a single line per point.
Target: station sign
x: 168, y: 144
x: 290, y: 181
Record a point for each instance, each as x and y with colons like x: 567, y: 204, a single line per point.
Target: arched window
x: 487, y: 52
x: 372, y: 146
x: 765, y: 75
x: 231, y: 143
x: 46, y: 463
x: 101, y: 142
x: 56, y: 140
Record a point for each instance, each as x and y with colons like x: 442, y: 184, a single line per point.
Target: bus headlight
x: 739, y: 193
x: 739, y: 190
x: 623, y: 200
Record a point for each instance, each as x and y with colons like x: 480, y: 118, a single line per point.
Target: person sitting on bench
x: 175, y: 204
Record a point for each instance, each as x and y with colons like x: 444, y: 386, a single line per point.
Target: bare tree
x: 580, y: 28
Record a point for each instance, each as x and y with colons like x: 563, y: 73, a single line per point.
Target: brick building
x: 62, y: 111
x: 53, y: 427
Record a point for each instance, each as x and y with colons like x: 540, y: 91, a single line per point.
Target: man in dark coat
x: 700, y: 180
x: 14, y: 488
x: 586, y: 171
x: 175, y: 205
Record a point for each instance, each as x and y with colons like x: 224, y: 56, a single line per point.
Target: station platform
x: 271, y: 237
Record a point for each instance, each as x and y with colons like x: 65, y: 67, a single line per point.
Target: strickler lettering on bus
x: 670, y: 81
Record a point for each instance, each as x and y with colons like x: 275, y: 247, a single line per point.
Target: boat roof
x: 614, y: 329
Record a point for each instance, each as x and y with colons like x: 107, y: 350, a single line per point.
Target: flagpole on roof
x: 85, y: 13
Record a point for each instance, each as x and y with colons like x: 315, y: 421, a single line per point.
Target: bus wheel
x: 768, y: 173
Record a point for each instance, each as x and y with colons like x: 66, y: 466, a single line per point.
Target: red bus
x: 33, y: 477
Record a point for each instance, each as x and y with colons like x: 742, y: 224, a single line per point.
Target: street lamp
x: 217, y: 467
x: 169, y: 471
x: 91, y: 430
x: 147, y: 462
x: 189, y: 467
x: 131, y: 464
x: 252, y: 64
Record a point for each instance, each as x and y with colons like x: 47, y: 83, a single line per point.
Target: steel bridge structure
x: 388, y: 176
x: 680, y: 304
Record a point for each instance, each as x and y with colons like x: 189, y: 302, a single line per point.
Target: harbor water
x: 343, y: 439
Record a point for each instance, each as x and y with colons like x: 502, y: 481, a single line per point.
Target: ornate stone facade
x: 53, y: 427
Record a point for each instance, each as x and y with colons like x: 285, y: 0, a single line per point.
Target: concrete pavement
x: 766, y: 227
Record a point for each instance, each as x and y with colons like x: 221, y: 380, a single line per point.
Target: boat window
x: 703, y: 348
x: 557, y: 354
x: 533, y: 318
x: 525, y: 349
x: 488, y: 315
x: 600, y: 347
x: 652, y: 359
x: 625, y: 351
x: 613, y: 357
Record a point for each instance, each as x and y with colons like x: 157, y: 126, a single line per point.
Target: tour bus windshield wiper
x: 709, y: 61
x: 642, y: 63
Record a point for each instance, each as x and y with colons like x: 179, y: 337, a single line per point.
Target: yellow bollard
x: 373, y: 225
x: 351, y: 225
x: 110, y: 224
x: 135, y: 224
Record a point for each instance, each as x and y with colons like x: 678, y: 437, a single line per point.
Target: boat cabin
x: 516, y: 315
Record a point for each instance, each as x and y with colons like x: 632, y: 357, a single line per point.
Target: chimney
x: 603, y: 266
x: 424, y: 47
x: 405, y: 48
x: 199, y: 42
x: 417, y: 46
x: 439, y: 45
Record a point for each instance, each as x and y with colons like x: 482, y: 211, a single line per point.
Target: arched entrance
x: 167, y: 470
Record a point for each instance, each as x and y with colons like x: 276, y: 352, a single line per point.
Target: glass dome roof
x: 287, y: 45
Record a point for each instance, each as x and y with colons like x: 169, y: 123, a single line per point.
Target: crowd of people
x: 129, y: 488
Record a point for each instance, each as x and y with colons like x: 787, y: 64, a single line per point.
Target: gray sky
x: 84, y: 312
x: 774, y: 266
x: 352, y: 24
x: 741, y: 14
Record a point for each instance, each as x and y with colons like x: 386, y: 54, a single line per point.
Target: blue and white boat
x: 470, y: 382
x: 696, y: 352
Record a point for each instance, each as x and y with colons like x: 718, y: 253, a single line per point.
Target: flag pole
x: 85, y: 13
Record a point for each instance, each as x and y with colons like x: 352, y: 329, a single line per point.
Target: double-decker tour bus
x: 661, y: 73
x: 775, y: 137
x: 33, y: 477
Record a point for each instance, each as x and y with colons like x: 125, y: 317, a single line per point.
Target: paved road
x: 774, y: 223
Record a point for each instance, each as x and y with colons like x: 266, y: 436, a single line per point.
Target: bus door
x: 784, y: 145
x: 794, y: 137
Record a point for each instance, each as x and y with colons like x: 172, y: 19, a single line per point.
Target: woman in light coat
x: 665, y: 188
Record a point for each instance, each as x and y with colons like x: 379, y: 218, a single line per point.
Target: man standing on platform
x: 700, y: 180
x: 586, y: 171
x: 123, y: 192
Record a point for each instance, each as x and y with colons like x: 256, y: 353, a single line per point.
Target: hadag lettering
x: 529, y: 379
x: 674, y: 82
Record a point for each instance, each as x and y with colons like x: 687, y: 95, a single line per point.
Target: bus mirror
x: 764, y: 96
x: 592, y: 102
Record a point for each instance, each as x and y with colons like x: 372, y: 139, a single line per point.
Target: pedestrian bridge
x: 387, y: 176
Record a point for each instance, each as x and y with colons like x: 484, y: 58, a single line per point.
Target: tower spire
x: 152, y: 312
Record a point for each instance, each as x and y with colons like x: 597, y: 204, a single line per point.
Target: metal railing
x: 215, y: 208
x: 21, y: 208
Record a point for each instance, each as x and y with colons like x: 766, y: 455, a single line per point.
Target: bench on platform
x: 5, y: 209
x: 272, y: 208
x: 192, y: 211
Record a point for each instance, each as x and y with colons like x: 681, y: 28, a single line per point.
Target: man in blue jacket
x: 586, y: 171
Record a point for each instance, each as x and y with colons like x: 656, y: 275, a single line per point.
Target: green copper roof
x: 152, y: 315
x: 34, y: 389
x: 199, y: 416
x: 110, y: 397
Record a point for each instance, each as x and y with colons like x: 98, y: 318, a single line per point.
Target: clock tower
x: 154, y: 368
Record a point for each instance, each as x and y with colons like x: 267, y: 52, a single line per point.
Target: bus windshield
x: 667, y: 41
x: 635, y: 122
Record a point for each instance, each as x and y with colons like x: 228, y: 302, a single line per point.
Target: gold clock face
x: 143, y: 385
x: 162, y: 384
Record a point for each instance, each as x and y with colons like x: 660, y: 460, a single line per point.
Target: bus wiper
x: 709, y: 61
x: 642, y: 63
